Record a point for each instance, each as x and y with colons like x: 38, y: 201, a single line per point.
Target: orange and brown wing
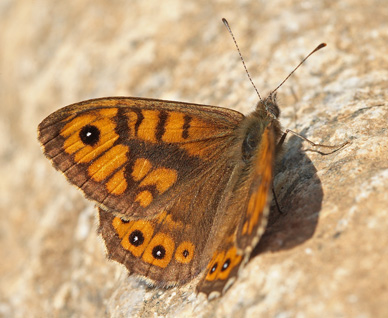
x: 170, y: 248
x: 247, y: 212
x: 135, y: 156
x: 258, y: 198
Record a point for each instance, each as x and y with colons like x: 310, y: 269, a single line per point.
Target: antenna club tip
x: 225, y: 21
x: 322, y: 45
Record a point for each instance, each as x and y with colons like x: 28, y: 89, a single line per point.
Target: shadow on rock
x: 299, y: 192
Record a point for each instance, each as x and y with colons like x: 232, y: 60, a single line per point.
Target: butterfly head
x: 270, y: 106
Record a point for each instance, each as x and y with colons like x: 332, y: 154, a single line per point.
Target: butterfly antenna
x: 320, y: 46
x: 239, y: 52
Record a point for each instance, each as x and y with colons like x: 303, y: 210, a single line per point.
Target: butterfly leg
x: 276, y: 200
x: 335, y: 147
x: 280, y: 143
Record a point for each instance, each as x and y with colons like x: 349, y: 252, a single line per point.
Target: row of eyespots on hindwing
x: 157, y: 249
x: 222, y: 264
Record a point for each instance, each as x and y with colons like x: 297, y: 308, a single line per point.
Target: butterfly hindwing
x: 253, y: 220
x: 248, y: 207
x: 171, y: 248
x: 151, y: 248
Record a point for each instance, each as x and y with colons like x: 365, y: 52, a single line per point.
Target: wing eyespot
x: 159, y: 252
x: 90, y: 135
x: 134, y: 235
x: 226, y: 265
x: 136, y: 238
x: 184, y: 252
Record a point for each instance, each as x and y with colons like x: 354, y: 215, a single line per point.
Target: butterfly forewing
x: 135, y: 156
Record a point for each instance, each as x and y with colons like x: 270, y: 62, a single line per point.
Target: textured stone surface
x: 327, y: 255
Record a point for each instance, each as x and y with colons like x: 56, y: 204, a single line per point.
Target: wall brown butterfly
x: 182, y: 189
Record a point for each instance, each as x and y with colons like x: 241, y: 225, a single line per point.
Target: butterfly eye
x: 250, y: 143
x: 89, y: 135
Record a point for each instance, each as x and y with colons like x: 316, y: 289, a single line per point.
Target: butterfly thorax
x: 265, y: 115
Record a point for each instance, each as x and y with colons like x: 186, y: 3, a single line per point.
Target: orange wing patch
x: 213, y: 267
x: 230, y: 261
x: 166, y: 219
x: 222, y: 264
x: 160, y: 250
x: 135, y: 235
x: 174, y: 128
x: 263, y: 168
x: 147, y: 128
x: 144, y: 198
x: 117, y: 184
x: 110, y: 161
x: 140, y: 169
x: 162, y: 178
x: 184, y: 252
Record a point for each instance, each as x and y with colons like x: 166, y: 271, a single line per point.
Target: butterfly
x: 183, y: 190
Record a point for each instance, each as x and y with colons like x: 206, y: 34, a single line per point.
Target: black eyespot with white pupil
x: 185, y: 253
x: 159, y: 252
x: 90, y: 135
x: 226, y: 265
x: 136, y: 238
x: 213, y: 269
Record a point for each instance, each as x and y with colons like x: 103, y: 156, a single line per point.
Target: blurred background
x: 54, y: 53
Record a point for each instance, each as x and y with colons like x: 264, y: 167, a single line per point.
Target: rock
x: 325, y: 255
